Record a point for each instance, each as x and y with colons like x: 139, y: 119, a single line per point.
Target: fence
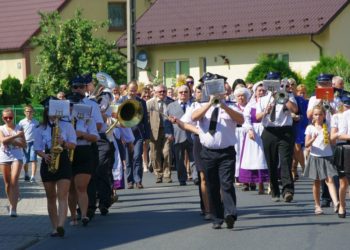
x: 19, y: 112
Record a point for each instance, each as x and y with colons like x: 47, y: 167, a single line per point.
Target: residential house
x: 19, y: 22
x: 228, y: 36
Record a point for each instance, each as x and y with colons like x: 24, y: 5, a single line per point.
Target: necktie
x: 273, y: 113
x: 183, y: 106
x: 161, y: 111
x: 213, y: 121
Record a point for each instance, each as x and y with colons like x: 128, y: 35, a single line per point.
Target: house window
x: 279, y: 56
x: 117, y: 16
x: 172, y: 69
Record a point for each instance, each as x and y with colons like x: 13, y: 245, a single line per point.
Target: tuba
x: 56, y: 148
x: 129, y: 114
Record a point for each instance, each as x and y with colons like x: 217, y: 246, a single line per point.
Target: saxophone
x: 56, y: 148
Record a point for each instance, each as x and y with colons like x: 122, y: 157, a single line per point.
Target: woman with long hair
x: 56, y: 183
x: 12, y: 142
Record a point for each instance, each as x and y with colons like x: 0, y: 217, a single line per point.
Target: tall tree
x: 68, y: 48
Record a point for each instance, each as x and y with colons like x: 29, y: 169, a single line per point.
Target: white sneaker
x: 32, y: 179
x: 12, y: 213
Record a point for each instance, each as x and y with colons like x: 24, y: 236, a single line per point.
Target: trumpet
x: 280, y: 97
x: 129, y: 114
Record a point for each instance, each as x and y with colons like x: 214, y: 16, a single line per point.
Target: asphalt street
x: 166, y: 216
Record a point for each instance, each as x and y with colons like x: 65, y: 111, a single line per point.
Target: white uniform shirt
x: 336, y: 122
x: 42, y: 135
x: 344, y: 125
x: 283, y: 115
x: 187, y: 117
x: 313, y: 101
x: 318, y: 147
x: 225, y: 129
x: 86, y: 126
x: 96, y: 113
x: 28, y: 127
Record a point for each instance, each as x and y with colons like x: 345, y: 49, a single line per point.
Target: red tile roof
x: 181, y: 21
x: 19, y: 20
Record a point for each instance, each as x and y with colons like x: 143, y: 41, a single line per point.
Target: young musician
x: 56, y: 178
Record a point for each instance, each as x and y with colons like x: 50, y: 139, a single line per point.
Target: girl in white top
x: 11, y: 143
x: 319, y: 166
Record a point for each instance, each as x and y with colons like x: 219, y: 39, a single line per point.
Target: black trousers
x: 278, y: 148
x: 103, y: 171
x: 91, y: 190
x: 219, y: 165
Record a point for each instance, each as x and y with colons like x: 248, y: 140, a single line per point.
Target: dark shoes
x: 288, y: 197
x: 159, y: 180
x: 103, y: 210
x: 60, y: 231
x: 245, y: 187
x: 252, y: 186
x: 26, y: 178
x: 85, y: 221
x: 196, y: 182
x: 230, y: 221
x: 130, y: 185
x: 90, y: 213
x: 216, y: 226
x: 325, y: 203
x: 183, y: 184
x: 342, y: 216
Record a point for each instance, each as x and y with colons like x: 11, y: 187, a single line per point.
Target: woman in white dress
x: 253, y: 169
x: 12, y: 142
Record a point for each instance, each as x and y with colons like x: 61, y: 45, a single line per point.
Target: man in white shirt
x: 278, y: 138
x: 217, y: 135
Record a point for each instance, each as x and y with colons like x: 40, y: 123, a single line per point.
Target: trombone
x: 128, y: 114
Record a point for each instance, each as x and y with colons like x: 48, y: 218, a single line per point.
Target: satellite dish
x: 141, y: 59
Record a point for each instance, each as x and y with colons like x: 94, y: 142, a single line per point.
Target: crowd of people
x: 249, y: 137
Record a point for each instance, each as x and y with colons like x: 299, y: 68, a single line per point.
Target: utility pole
x: 131, y: 41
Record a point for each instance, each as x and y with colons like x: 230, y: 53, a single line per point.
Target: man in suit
x: 182, y: 139
x: 161, y: 134
x: 134, y: 168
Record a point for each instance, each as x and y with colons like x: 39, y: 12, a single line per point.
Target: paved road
x: 166, y: 216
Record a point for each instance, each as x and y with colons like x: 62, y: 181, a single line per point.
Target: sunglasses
x: 7, y: 117
x: 190, y: 82
x: 78, y: 86
x: 183, y: 92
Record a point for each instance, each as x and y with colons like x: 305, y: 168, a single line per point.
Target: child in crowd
x: 28, y: 125
x: 319, y: 166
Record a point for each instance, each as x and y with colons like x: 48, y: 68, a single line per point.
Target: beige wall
x: 93, y: 10
x: 336, y: 38
x: 242, y: 55
x: 12, y: 64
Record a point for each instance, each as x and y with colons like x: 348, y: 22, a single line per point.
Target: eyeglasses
x: 28, y: 111
x: 7, y: 118
x: 161, y: 91
x: 78, y: 86
x: 183, y: 92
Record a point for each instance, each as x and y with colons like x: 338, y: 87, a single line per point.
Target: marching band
x: 87, y: 140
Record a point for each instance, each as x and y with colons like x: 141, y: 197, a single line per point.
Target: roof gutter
x: 317, y: 44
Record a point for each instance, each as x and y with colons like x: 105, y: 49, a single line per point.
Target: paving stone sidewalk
x: 32, y: 223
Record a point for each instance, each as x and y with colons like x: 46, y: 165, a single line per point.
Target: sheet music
x: 59, y: 108
x: 81, y: 111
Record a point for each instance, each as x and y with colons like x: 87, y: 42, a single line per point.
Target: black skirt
x: 341, y: 159
x: 64, y: 170
x: 83, y: 160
